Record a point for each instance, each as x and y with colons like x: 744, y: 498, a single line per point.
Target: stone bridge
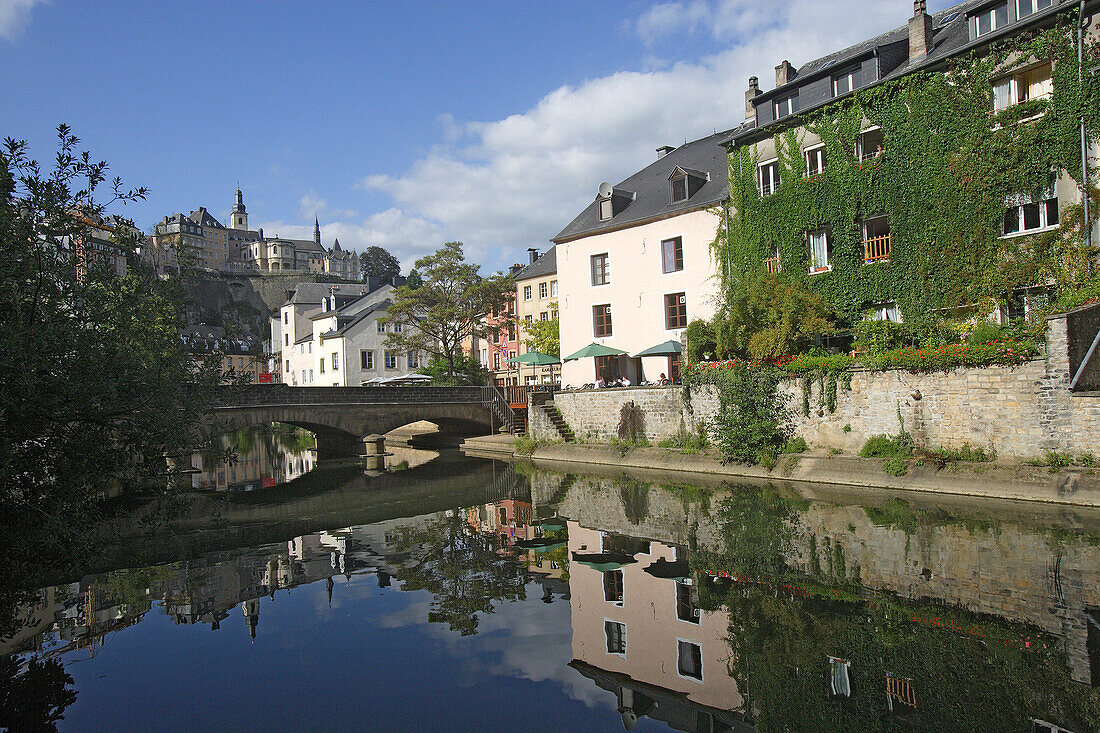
x: 341, y: 417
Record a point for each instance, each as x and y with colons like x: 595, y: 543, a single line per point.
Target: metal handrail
x: 500, y: 406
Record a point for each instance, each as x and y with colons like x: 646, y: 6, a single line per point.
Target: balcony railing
x: 876, y: 248
x: 772, y: 265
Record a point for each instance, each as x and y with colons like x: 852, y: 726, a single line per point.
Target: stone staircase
x: 553, y: 414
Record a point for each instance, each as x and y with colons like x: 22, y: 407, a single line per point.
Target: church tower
x: 316, y: 232
x: 239, y: 219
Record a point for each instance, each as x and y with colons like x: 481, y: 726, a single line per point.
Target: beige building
x: 635, y: 267
x: 537, y: 300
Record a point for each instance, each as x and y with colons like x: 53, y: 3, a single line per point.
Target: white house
x: 635, y: 267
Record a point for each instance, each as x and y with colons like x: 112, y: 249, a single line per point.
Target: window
x: 815, y: 160
x: 553, y: 288
x: 821, y: 250
x: 286, y: 339
x: 322, y: 366
x: 839, y: 684
x: 1024, y: 215
x: 689, y: 659
x: 304, y: 377
x: 613, y: 586
x: 544, y: 316
x: 335, y: 362
x: 496, y: 360
x: 615, y: 633
x: 366, y: 359
x: 511, y: 332
x: 876, y: 239
x: 884, y: 312
x: 989, y: 20
x: 391, y: 359
x: 601, y: 320
x: 871, y: 144
x: 529, y: 319
x: 772, y: 264
x: 685, y: 606
x: 783, y: 107
x: 1025, y: 8
x: 381, y: 327
x: 526, y: 292
x: 676, y: 315
x: 672, y: 255
x: 413, y: 359
x: 678, y: 185
x: 544, y: 290
x: 844, y: 83
x: 601, y: 273
x: 767, y: 178
x: 288, y: 366
x: 286, y: 318
x: 311, y: 376
x: 397, y: 328
x: 606, y: 209
x: 1023, y: 86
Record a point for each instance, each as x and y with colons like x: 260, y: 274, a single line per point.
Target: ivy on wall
x: 949, y: 164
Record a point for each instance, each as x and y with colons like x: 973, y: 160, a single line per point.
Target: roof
x: 546, y: 264
x: 309, y: 293
x: 202, y: 217
x: 706, y: 156
x: 343, y: 326
x: 950, y: 37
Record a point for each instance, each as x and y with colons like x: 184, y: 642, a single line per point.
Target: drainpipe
x: 1084, y: 137
x: 729, y: 269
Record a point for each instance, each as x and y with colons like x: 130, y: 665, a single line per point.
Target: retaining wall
x: 1019, y: 412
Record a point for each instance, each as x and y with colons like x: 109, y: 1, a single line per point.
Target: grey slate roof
x: 314, y: 292
x: 343, y: 326
x: 202, y: 217
x: 949, y: 38
x: 546, y: 264
x: 651, y: 188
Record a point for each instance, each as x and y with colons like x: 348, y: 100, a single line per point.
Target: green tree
x: 98, y: 384
x: 34, y: 698
x: 448, y: 308
x: 414, y: 280
x: 377, y: 262
x: 466, y: 370
x: 767, y: 317
x: 544, y: 336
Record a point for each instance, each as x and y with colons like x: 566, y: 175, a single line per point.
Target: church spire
x: 316, y: 231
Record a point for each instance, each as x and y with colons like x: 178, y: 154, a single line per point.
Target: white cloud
x: 502, y: 186
x: 14, y: 17
x: 312, y: 205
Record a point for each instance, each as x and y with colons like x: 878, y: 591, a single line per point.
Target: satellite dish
x: 606, y: 190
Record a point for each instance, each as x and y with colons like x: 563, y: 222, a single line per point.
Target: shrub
x: 878, y: 446
x: 764, y: 319
x: 631, y: 424
x: 943, y: 358
x: 524, y: 446
x: 700, y: 341
x: 895, y: 466
x: 687, y: 442
x: 753, y: 422
x: 1057, y: 460
x: 965, y: 453
x: 795, y: 445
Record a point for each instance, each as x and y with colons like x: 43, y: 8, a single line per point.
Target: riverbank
x: 1072, y: 487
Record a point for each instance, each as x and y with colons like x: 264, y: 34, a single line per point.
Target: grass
x: 1056, y: 461
x: 524, y: 445
x: 966, y: 453
x: 895, y: 466
x: 686, y: 442
x: 795, y: 445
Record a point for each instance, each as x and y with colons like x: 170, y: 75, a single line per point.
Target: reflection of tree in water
x: 34, y: 698
x: 635, y: 498
x: 969, y: 671
x: 275, y: 438
x: 465, y: 571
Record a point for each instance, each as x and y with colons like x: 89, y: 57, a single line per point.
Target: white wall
x: 637, y: 289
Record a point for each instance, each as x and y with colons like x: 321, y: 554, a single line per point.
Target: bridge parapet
x: 280, y: 394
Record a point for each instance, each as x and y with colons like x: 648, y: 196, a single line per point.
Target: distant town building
x: 202, y: 241
x: 236, y: 355
x: 536, y: 300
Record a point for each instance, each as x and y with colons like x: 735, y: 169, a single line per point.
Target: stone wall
x: 1019, y: 412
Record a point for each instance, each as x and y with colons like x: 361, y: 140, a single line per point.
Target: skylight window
x: 948, y: 18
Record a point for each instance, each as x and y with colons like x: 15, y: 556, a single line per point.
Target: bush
x: 524, y: 446
x: 795, y: 445
x: 764, y: 319
x: 753, y: 422
x: 631, y: 424
x: 965, y: 453
x: 700, y: 341
x: 884, y: 446
x: 895, y: 466
x: 687, y: 442
x: 944, y: 358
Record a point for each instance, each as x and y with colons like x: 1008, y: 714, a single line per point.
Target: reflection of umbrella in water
x: 540, y: 544
x: 664, y: 569
x: 603, y: 561
x: 551, y: 525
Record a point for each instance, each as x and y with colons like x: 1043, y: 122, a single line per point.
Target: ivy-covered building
x: 934, y: 170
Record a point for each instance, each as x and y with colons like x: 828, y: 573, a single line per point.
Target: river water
x: 465, y: 594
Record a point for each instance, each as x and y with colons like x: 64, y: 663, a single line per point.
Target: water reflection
x: 600, y: 603
x: 263, y: 456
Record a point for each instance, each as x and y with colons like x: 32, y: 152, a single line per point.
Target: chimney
x: 783, y: 73
x: 532, y: 255
x: 920, y: 30
x: 754, y: 89
x: 664, y: 150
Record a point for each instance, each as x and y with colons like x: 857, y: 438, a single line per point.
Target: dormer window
x: 989, y: 20
x: 683, y: 183
x: 1025, y: 8
x: 844, y: 83
x: 606, y: 209
x: 783, y: 107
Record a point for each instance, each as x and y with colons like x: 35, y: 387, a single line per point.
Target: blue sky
x: 399, y: 124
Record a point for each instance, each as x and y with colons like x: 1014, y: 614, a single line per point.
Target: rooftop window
x: 783, y: 107
x: 989, y: 20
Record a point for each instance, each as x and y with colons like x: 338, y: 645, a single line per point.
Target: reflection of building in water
x: 265, y: 456
x: 638, y: 632
x: 509, y: 520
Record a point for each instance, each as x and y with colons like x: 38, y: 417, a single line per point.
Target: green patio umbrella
x: 603, y: 561
x: 668, y: 348
x: 536, y: 359
x: 593, y: 350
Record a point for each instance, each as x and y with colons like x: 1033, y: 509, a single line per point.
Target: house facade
x: 635, y: 267
x: 537, y: 297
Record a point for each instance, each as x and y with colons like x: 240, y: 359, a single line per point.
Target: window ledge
x: 1028, y: 233
x: 820, y: 270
